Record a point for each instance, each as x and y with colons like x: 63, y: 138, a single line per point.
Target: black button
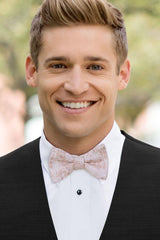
x: 79, y: 191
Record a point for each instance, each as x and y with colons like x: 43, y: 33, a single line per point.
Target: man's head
x: 55, y: 13
x: 78, y: 63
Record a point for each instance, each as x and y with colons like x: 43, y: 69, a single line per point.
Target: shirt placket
x: 80, y: 213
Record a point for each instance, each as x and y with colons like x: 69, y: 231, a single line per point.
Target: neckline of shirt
x: 113, y: 143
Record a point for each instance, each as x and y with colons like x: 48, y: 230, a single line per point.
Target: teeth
x: 76, y: 105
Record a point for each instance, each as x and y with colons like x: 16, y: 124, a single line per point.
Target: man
x: 83, y: 179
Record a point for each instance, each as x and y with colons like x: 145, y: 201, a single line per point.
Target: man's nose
x: 76, y: 82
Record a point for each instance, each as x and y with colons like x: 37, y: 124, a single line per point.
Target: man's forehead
x: 82, y: 42
x: 84, y: 28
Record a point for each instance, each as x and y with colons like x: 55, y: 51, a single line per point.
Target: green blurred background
x: 142, y: 18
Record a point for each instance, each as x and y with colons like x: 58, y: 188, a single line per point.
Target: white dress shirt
x: 82, y: 216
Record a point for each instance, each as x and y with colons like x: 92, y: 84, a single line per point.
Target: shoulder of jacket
x: 140, y: 145
x: 23, y: 151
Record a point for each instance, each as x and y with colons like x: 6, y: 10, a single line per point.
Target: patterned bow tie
x: 61, y: 163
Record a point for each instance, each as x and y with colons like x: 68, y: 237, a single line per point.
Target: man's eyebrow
x: 55, y: 58
x: 96, y: 59
x: 65, y: 59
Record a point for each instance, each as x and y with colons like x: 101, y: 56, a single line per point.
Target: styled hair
x: 73, y: 12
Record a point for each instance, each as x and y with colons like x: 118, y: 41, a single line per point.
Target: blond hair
x: 72, y: 12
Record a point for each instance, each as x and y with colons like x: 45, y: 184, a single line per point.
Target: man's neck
x: 77, y: 146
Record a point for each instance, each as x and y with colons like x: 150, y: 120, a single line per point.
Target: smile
x: 76, y: 105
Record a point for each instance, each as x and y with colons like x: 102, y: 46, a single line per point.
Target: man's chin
x: 75, y: 134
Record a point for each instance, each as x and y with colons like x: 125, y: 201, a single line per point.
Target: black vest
x: 134, y: 213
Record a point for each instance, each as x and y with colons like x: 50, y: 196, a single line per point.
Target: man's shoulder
x: 24, y: 152
x: 140, y: 148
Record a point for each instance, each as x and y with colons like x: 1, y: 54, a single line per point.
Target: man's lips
x: 76, y: 105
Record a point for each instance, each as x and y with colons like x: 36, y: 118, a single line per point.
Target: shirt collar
x: 113, y: 143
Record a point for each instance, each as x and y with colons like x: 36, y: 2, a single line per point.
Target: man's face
x: 77, y: 81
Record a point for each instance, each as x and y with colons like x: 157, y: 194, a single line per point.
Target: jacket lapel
x: 24, y: 206
x: 44, y: 216
x: 115, y: 222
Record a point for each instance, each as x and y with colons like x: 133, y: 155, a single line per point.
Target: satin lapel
x: 116, y: 219
x: 36, y: 202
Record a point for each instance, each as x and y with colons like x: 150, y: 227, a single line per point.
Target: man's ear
x: 31, y: 74
x: 124, y: 75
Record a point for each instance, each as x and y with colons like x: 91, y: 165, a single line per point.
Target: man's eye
x: 58, y: 66
x: 95, y: 67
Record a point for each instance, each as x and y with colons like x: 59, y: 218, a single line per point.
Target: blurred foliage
x: 15, y: 20
x: 143, y: 30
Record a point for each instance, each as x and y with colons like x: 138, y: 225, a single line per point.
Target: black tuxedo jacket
x: 134, y: 212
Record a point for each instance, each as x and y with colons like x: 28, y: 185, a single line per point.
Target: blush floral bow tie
x: 61, y: 163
